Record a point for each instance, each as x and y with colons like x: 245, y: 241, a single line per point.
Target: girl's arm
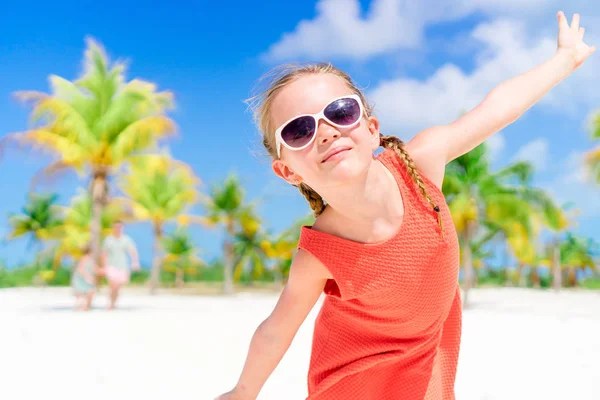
x: 275, y: 334
x: 133, y: 253
x: 508, y: 101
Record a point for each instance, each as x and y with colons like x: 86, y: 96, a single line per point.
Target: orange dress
x: 390, y: 325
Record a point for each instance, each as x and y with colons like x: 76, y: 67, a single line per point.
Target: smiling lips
x: 333, y: 152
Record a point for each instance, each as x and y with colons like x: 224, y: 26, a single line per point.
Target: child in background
x: 84, y: 280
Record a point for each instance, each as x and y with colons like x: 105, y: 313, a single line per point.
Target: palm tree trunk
x: 155, y: 273
x: 38, y: 246
x: 99, y: 195
x: 506, y: 257
x: 228, y: 258
x: 556, y: 267
x: 521, y: 276
x: 572, y: 278
x: 179, y: 281
x: 535, y: 277
x: 468, y: 260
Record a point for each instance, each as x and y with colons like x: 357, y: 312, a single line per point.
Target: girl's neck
x: 372, y: 198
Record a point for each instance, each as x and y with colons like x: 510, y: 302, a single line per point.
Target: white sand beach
x: 517, y: 344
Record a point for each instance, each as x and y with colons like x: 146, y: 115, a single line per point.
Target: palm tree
x: 282, y: 247
x: 40, y: 220
x: 577, y: 253
x: 225, y: 205
x: 478, y: 196
x: 94, y: 124
x: 248, y: 247
x: 524, y: 250
x: 592, y: 158
x: 77, y: 217
x: 180, y: 254
x: 558, y: 223
x: 159, y: 190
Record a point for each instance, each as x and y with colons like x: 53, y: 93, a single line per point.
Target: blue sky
x: 421, y: 64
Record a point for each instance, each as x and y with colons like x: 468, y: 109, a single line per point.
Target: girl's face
x: 308, y: 95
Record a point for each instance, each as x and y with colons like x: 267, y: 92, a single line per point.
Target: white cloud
x: 449, y: 91
x: 574, y: 186
x: 496, y: 144
x: 407, y: 105
x: 537, y: 152
x: 340, y: 30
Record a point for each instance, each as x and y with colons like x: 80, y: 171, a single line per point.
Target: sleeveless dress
x: 80, y: 285
x: 390, y: 324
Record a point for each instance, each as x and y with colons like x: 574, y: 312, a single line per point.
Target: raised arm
x: 508, y: 101
x: 275, y: 334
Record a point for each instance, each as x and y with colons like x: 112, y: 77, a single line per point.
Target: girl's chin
x: 343, y: 172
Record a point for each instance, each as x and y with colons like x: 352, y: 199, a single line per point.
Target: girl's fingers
x: 581, y: 32
x: 562, y: 21
x: 575, y: 22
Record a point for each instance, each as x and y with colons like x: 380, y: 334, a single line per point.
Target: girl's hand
x: 570, y: 40
x: 91, y: 280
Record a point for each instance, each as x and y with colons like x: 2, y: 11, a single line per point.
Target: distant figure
x: 83, y: 280
x: 115, y: 249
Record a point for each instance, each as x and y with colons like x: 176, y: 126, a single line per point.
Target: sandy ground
x: 517, y: 344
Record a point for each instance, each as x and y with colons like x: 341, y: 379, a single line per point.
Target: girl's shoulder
x: 429, y: 156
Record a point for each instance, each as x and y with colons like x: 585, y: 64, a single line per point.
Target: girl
x: 84, y: 280
x: 383, y: 247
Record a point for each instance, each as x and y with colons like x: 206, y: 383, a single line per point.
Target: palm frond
x: 60, y: 117
x: 521, y: 171
x: 141, y: 135
x: 596, y: 126
x: 49, y: 173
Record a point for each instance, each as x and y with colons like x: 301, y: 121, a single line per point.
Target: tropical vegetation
x: 109, y: 129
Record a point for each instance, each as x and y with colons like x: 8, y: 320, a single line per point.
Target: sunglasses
x: 299, y: 132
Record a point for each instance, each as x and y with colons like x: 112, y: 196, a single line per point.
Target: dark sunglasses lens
x: 343, y: 111
x: 298, y: 132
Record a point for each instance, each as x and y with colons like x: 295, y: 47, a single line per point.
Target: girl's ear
x: 373, y: 125
x: 284, y: 172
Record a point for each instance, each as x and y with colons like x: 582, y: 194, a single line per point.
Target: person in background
x: 83, y: 280
x: 115, y: 249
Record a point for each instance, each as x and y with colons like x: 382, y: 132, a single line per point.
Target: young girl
x: 84, y: 280
x: 383, y: 247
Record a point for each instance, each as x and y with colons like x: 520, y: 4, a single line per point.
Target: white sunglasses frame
x: 317, y: 117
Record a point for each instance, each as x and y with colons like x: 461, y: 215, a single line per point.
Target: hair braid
x: 314, y: 199
x: 394, y: 143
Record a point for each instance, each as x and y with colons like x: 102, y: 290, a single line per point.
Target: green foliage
x: 491, y: 277
x: 140, y: 277
x: 158, y: 187
x: 225, y: 200
x: 19, y: 277
x: 591, y: 283
x: 30, y: 275
x: 39, y: 218
x: 214, y: 272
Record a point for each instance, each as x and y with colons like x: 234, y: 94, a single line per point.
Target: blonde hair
x: 282, y: 76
